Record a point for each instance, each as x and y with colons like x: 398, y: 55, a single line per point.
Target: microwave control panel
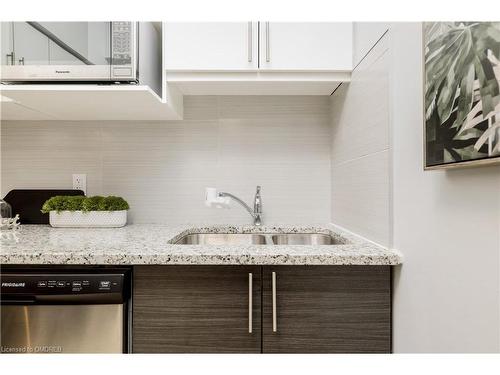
x: 123, y: 44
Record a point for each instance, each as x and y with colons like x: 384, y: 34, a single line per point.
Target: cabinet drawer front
x: 196, y: 309
x: 327, y: 309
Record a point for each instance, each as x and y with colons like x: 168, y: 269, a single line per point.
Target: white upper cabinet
x: 258, y: 46
x: 306, y: 46
x: 257, y: 58
x: 211, y: 46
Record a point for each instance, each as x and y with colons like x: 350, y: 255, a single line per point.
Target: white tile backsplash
x: 360, y: 196
x: 39, y: 154
x: 360, y: 143
x: 274, y: 107
x: 360, y: 109
x: 162, y: 168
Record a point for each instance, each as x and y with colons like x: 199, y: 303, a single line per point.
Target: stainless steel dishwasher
x: 64, y: 311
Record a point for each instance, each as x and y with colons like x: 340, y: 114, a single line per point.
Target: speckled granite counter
x: 155, y: 244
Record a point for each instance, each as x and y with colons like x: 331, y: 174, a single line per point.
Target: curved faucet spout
x: 234, y: 197
x: 256, y: 213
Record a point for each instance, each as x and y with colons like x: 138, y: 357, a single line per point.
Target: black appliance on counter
x: 28, y: 203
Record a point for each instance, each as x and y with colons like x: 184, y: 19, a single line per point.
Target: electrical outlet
x: 80, y: 182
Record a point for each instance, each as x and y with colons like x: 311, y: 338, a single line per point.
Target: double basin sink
x: 257, y: 239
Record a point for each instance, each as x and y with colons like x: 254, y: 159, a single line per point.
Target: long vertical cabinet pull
x: 250, y: 41
x: 275, y: 318
x: 250, y: 302
x: 268, y: 48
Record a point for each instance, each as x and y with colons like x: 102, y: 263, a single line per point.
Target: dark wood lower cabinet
x: 318, y: 309
x: 196, y: 309
x: 327, y: 309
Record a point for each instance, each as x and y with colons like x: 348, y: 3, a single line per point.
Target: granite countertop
x: 155, y: 244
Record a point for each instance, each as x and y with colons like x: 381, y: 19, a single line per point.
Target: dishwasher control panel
x: 58, y: 286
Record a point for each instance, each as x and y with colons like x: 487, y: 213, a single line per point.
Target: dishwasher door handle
x: 18, y: 301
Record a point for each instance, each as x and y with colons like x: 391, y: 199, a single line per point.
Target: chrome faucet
x: 257, y: 205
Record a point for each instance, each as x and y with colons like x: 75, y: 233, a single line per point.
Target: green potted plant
x: 86, y: 212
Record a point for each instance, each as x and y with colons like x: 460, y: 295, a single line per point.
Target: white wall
x: 447, y: 225
x: 162, y: 168
x: 360, y: 149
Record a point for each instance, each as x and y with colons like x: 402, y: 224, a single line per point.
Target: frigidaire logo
x: 62, y: 71
x: 14, y: 285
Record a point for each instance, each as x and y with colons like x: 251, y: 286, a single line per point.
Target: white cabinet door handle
x: 268, y: 48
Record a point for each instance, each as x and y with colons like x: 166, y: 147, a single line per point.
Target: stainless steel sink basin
x: 303, y: 239
x: 222, y: 239
x: 257, y: 239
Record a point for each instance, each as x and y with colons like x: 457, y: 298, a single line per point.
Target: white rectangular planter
x: 90, y: 219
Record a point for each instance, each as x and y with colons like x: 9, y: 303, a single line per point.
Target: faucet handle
x: 257, y: 206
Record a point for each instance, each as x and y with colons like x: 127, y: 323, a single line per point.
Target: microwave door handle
x: 10, y: 56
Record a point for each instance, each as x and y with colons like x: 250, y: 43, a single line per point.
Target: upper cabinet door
x: 211, y: 46
x: 301, y: 46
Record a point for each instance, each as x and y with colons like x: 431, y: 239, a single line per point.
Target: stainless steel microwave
x: 72, y: 51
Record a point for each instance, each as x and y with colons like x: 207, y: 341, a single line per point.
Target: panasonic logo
x: 14, y: 285
x: 62, y: 71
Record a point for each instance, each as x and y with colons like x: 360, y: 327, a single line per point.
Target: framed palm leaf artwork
x: 461, y: 93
